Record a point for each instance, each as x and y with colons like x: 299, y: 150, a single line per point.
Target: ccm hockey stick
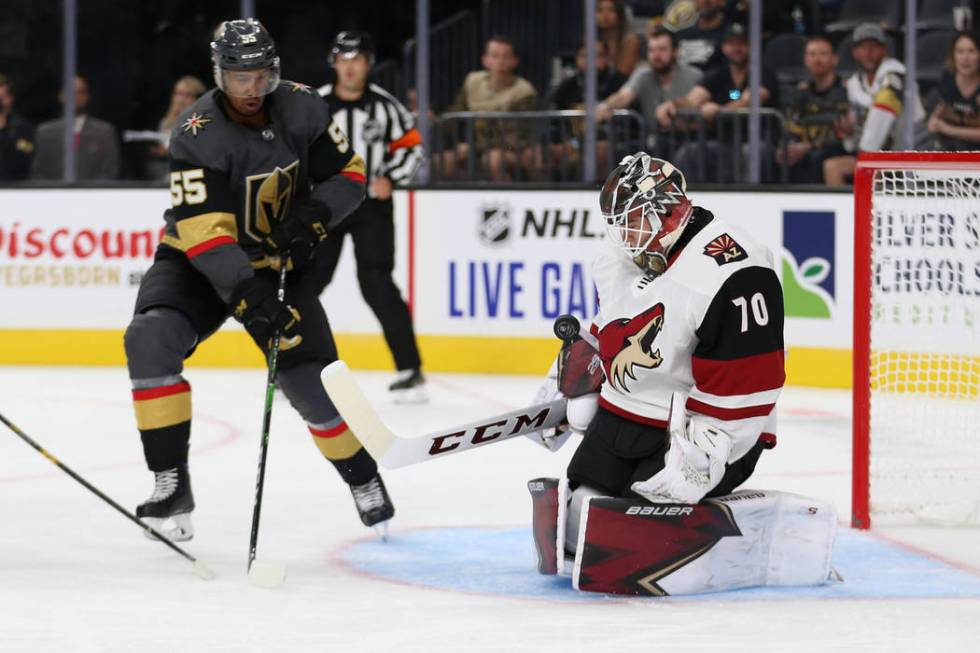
x: 264, y: 573
x: 202, y: 570
x: 395, y: 451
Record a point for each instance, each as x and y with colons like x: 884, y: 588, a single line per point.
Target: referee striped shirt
x: 381, y: 131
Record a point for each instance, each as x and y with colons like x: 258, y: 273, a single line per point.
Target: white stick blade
x: 356, y: 410
x: 267, y: 574
x: 202, y: 571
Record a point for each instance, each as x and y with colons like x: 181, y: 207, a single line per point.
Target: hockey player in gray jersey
x: 259, y: 175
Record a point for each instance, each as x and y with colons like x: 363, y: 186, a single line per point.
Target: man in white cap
x: 877, y: 96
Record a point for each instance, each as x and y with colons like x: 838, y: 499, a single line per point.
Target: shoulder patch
x: 296, y: 87
x: 724, y: 249
x: 195, y: 123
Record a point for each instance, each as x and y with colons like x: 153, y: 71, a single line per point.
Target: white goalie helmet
x: 645, y: 207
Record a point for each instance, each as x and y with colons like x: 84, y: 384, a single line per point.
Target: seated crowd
x: 680, y: 91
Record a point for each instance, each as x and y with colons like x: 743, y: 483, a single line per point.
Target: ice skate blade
x: 268, y: 575
x: 417, y: 395
x: 202, y: 571
x: 381, y: 528
x: 177, y: 528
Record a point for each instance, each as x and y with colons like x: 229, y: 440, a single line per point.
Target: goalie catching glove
x: 300, y: 233
x: 695, y: 462
x: 256, y: 306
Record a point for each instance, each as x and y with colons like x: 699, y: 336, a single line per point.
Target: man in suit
x: 96, y: 144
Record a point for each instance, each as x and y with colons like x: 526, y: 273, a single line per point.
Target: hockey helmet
x: 245, y: 59
x: 645, y: 207
x: 349, y: 44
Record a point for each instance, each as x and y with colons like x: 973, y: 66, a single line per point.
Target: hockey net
x: 917, y: 339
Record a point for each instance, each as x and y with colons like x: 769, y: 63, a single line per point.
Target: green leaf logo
x: 802, y: 295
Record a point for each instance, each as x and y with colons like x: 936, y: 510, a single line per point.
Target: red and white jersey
x: 710, y: 327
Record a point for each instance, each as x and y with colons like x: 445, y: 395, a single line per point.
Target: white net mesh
x: 925, y: 346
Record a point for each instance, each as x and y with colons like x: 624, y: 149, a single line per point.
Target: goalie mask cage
x: 916, y: 398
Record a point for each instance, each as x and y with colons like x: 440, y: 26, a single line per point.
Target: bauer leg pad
x: 745, y: 539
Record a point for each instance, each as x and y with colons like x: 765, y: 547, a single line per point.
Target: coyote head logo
x: 628, y: 343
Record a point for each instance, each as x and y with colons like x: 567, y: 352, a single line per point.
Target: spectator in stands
x: 700, y: 43
x: 96, y: 144
x: 955, y: 121
x: 570, y: 94
x: 877, y: 97
x: 723, y: 88
x: 185, y: 92
x: 622, y: 46
x: 817, y: 107
x: 496, y: 88
x: 653, y: 85
x: 16, y: 137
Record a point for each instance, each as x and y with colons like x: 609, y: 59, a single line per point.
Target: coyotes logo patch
x: 628, y: 343
x: 724, y: 249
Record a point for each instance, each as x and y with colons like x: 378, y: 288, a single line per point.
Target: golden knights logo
x: 195, y: 123
x: 724, y: 249
x: 267, y: 199
x: 627, y: 344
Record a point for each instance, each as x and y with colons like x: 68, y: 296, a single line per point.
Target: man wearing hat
x: 724, y: 87
x: 876, y: 93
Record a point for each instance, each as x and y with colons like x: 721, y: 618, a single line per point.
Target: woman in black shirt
x: 956, y: 119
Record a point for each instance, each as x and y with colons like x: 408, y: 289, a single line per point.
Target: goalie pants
x: 176, y: 309
x: 616, y: 452
x: 372, y: 228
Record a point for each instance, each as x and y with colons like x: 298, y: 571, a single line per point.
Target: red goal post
x: 916, y: 366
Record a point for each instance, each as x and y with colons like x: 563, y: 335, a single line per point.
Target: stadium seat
x: 930, y: 56
x: 937, y: 14
x: 784, y: 53
x: 887, y: 13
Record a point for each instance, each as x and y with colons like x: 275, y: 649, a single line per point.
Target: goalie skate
x: 169, y: 508
x: 374, y: 505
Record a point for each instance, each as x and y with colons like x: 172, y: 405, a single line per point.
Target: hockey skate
x: 168, y: 509
x: 374, y: 505
x: 409, y: 387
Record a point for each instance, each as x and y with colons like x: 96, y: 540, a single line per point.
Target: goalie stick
x: 393, y: 451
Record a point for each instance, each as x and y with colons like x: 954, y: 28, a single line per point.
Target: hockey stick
x: 394, y: 451
x: 266, y: 573
x: 202, y: 570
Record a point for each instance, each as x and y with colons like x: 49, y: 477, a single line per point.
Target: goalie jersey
x: 709, y: 327
x: 231, y: 184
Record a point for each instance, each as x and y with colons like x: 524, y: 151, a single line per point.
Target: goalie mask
x: 645, y: 206
x: 245, y: 60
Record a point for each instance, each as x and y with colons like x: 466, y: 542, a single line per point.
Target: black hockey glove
x: 298, y: 235
x: 256, y: 306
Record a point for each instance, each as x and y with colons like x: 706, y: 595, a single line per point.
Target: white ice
x: 77, y: 576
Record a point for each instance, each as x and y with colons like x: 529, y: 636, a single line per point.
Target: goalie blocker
x: 626, y: 546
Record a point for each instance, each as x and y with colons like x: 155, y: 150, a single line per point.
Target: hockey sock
x: 163, y: 417
x: 338, y: 445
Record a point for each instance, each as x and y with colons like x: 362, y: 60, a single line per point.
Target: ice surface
x: 76, y: 576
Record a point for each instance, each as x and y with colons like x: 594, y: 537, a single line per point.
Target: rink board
x: 502, y: 562
x: 485, y: 272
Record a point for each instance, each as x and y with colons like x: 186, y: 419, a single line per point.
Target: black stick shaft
x: 270, y: 391
x: 94, y: 490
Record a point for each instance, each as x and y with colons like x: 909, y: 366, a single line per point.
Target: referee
x: 383, y: 133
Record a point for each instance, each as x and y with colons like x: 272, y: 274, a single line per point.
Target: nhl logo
x: 494, y: 227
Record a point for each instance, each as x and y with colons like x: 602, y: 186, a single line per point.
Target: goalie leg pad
x: 745, y: 539
x: 544, y: 522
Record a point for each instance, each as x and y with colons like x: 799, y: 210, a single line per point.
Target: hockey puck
x: 567, y: 327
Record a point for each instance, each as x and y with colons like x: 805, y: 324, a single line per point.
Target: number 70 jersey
x: 710, y: 327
